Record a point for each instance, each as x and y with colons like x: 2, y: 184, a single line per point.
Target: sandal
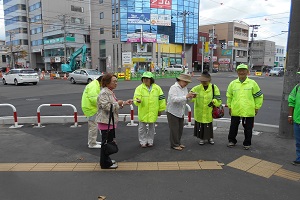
x: 178, y: 148
x: 182, y: 146
x: 149, y: 145
x: 143, y: 145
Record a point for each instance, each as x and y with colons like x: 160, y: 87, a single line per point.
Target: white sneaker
x: 211, y: 141
x: 98, y: 142
x: 96, y: 146
x: 201, y: 142
x: 113, y: 161
x: 114, y: 166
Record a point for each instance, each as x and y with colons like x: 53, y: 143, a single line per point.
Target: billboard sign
x: 138, y: 18
x: 160, y: 20
x: 224, y: 61
x: 226, y: 52
x: 162, y: 39
x: 136, y: 37
x: 126, y: 58
x: 164, y: 4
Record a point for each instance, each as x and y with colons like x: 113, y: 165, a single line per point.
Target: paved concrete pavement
x: 263, y: 172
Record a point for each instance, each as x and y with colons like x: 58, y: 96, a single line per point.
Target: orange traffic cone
x: 65, y: 76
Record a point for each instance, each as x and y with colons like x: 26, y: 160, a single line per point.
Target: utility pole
x: 212, y: 41
x: 254, y: 27
x: 292, y: 67
x: 184, y: 14
x: 65, y: 42
x: 11, y: 50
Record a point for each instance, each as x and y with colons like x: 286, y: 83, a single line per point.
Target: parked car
x: 277, y: 71
x: 20, y: 76
x: 84, y: 75
x: 177, y: 68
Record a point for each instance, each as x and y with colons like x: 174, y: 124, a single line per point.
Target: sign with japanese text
x: 160, y: 20
x: 164, y: 4
x: 138, y: 18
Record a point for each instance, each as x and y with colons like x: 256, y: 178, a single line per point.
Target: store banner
x: 164, y: 4
x: 160, y: 20
x: 138, y: 18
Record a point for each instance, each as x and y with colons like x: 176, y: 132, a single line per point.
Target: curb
x: 222, y: 123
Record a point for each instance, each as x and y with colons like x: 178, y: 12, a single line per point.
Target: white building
x: 279, y: 56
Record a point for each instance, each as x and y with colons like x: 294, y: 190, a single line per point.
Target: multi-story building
x: 231, y: 45
x: 199, y: 55
x: 155, y: 32
x: 47, y: 30
x: 279, y: 56
x: 3, y: 52
x: 263, y: 54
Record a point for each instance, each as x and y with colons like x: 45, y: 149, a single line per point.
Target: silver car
x: 20, y: 76
x: 84, y: 75
x: 277, y: 71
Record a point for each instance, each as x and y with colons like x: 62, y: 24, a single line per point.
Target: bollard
x: 189, y: 125
x: 16, y: 125
x: 39, y: 114
x: 131, y: 117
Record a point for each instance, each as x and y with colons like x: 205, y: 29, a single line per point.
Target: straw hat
x: 204, y: 77
x: 185, y: 77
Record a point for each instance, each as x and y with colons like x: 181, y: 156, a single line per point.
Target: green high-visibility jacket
x: 203, y: 112
x: 152, y: 102
x: 243, y: 98
x: 294, y: 101
x: 89, y: 98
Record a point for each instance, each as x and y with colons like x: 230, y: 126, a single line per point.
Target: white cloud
x: 271, y: 15
x: 2, y: 27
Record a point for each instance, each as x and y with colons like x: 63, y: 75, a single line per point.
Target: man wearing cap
x: 177, y: 99
x: 244, y: 99
x: 89, y: 108
x: 294, y: 118
x: 150, y: 100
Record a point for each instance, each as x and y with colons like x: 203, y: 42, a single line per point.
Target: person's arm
x: 292, y: 103
x: 229, y: 97
x: 217, y: 101
x: 161, y: 101
x: 137, y: 97
x: 258, y: 97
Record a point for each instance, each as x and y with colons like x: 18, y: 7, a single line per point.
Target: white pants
x: 146, y: 134
x: 92, y: 131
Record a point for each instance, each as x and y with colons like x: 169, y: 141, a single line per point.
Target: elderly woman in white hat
x: 177, y: 98
x: 203, y: 105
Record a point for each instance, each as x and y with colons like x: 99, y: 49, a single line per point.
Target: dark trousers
x: 234, y: 126
x: 176, y: 129
x: 105, y: 161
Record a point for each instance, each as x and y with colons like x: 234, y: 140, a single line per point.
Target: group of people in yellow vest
x: 244, y: 99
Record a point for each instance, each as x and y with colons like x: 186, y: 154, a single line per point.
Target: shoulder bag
x: 217, y: 112
x: 110, y: 147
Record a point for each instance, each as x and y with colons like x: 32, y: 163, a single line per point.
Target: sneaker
x: 230, y: 144
x: 246, y: 147
x: 201, y: 142
x: 211, y: 141
x: 113, y: 161
x: 114, y: 166
x: 98, y: 142
x: 144, y: 145
x: 96, y: 146
x: 296, y: 162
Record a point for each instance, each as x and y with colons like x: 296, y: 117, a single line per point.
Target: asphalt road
x: 27, y: 98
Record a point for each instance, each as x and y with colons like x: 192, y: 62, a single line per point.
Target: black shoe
x: 296, y: 163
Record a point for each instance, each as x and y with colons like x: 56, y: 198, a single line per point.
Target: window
x: 76, y: 20
x: 101, y: 15
x: 100, y: 1
x: 101, y: 30
x: 77, y: 8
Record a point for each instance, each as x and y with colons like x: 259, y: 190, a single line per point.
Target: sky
x: 271, y: 15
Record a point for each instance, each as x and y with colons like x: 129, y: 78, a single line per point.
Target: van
x: 177, y: 68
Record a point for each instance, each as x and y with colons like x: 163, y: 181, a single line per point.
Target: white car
x: 20, y: 76
x: 277, y: 71
x: 84, y: 75
x: 177, y: 68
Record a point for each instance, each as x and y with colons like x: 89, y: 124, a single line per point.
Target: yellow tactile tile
x: 244, y: 163
x: 43, y: 167
x: 23, y: 167
x: 269, y: 165
x: 147, y: 166
x: 6, y: 166
x: 127, y: 166
x: 64, y: 167
x: 168, y: 166
x: 288, y: 175
x: 261, y: 171
x: 189, y: 165
x: 209, y: 165
x: 85, y: 167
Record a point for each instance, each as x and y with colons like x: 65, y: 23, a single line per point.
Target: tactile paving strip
x: 262, y: 168
x: 122, y: 166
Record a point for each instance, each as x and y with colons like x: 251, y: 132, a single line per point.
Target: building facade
x: 46, y: 31
x: 279, y: 56
x: 230, y: 43
x: 263, y: 54
x: 157, y: 33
